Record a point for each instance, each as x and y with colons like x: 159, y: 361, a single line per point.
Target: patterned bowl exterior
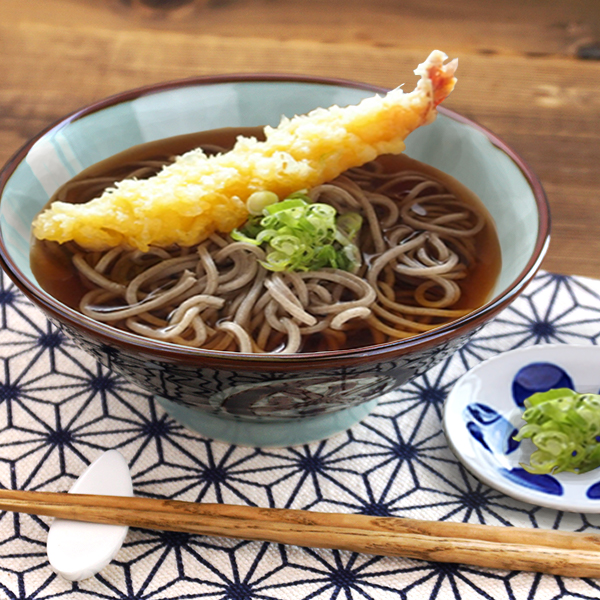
x: 250, y: 387
x: 276, y: 395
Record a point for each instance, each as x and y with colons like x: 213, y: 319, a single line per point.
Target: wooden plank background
x: 521, y: 73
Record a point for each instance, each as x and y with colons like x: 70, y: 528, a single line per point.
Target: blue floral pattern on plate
x: 483, y: 413
x: 538, y: 377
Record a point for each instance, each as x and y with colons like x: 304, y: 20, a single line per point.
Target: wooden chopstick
x: 511, y: 548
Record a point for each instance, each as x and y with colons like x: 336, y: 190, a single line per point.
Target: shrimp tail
x: 437, y: 78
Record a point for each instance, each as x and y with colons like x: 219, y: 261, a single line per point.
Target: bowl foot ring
x: 270, y: 434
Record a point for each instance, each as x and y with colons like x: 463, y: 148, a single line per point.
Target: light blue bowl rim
x: 163, y: 350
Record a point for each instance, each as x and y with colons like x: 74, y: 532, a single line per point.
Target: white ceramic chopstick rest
x: 76, y: 549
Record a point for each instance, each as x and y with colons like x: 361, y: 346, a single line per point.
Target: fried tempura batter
x: 198, y: 194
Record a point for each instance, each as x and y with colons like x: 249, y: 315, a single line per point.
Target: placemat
x: 59, y: 410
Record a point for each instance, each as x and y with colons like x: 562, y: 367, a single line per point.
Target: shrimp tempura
x: 197, y: 195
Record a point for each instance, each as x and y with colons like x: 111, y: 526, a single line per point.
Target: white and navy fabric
x: 59, y: 410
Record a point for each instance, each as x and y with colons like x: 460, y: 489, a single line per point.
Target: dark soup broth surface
x: 429, y: 254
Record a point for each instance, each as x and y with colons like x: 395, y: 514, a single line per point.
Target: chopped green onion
x: 258, y: 201
x: 301, y: 236
x: 565, y: 428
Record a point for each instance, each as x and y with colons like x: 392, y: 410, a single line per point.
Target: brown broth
x: 477, y: 286
x: 52, y: 266
x: 51, y: 262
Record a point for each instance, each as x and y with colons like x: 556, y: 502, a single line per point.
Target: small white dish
x: 78, y: 550
x: 482, y: 413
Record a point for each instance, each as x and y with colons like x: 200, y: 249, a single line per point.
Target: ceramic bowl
x: 254, y: 399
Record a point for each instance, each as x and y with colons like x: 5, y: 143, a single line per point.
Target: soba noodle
x: 418, y: 241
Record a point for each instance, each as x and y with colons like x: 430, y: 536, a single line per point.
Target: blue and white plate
x: 483, y: 412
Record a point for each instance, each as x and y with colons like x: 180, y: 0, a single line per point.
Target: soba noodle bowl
x: 428, y: 255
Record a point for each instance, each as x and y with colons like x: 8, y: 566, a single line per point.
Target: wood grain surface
x: 563, y: 553
x: 527, y: 71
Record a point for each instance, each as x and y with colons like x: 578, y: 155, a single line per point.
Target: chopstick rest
x: 77, y: 549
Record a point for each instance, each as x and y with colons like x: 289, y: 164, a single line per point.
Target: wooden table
x: 527, y: 71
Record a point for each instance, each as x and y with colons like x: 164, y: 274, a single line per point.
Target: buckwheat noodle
x: 417, y: 242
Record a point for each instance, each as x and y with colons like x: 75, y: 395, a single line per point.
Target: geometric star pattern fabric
x: 59, y: 410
